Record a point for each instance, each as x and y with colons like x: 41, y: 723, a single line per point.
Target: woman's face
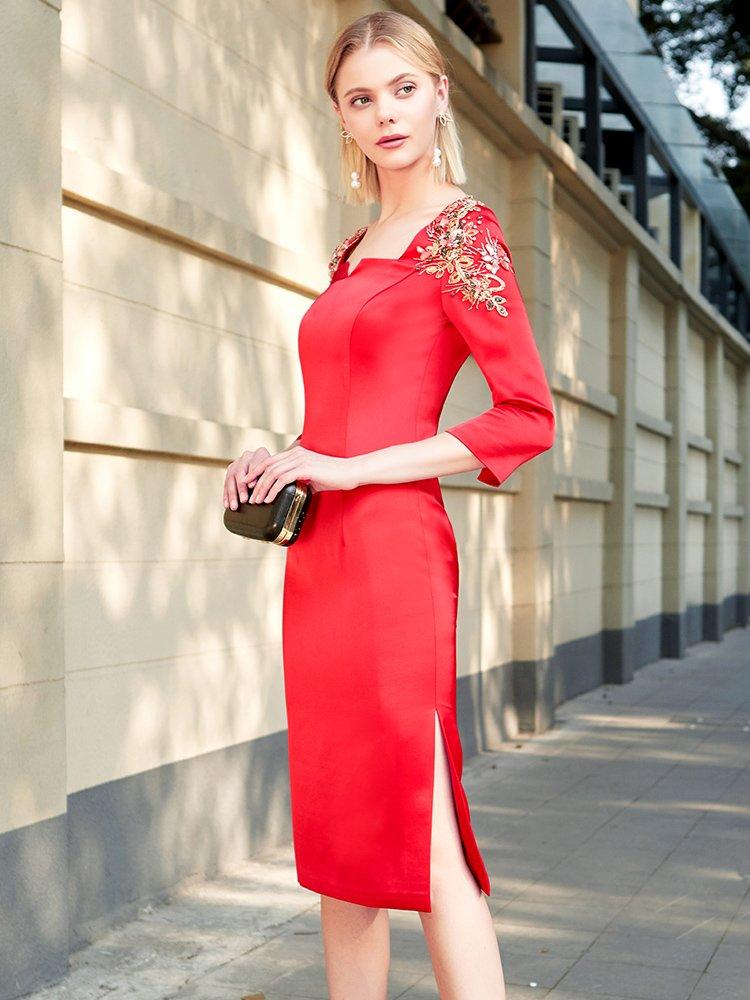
x: 381, y: 94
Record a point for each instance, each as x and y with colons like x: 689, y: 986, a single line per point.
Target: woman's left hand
x: 321, y: 472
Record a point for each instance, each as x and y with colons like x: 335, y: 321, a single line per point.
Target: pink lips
x: 392, y: 141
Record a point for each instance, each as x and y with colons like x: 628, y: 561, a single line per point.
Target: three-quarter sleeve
x: 482, y: 299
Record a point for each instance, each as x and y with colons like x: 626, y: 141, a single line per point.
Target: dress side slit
x: 458, y: 799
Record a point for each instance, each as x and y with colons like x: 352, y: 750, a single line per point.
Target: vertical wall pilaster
x: 617, y: 611
x: 33, y: 794
x: 674, y: 582
x: 713, y: 609
x: 529, y: 233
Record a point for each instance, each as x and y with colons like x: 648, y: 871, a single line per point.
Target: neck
x: 405, y: 192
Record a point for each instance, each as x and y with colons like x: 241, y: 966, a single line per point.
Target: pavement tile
x: 645, y: 982
x: 561, y: 993
x: 721, y: 988
x: 647, y: 948
x: 616, y: 847
x: 583, y: 914
x: 738, y: 932
x: 521, y: 969
x: 533, y: 939
x: 730, y: 960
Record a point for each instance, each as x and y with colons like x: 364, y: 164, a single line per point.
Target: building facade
x: 169, y: 203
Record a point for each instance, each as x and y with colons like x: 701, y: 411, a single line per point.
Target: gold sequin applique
x: 471, y: 258
x: 341, y: 249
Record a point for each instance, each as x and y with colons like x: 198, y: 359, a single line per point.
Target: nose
x: 386, y: 113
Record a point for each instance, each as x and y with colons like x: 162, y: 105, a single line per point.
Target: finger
x: 254, y: 470
x: 249, y: 478
x: 257, y: 492
x: 231, y: 492
x: 278, y: 486
x: 242, y: 490
x: 226, y: 483
x: 285, y: 472
x: 279, y: 468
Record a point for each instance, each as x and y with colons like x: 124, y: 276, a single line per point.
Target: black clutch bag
x: 278, y: 522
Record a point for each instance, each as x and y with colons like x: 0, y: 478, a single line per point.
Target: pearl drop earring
x: 437, y: 157
x: 347, y: 137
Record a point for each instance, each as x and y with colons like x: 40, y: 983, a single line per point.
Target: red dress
x: 371, y: 584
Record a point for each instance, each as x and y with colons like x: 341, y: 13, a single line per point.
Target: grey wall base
x: 612, y: 657
x: 66, y: 880
x: 33, y: 907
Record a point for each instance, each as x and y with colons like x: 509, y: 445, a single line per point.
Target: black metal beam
x: 724, y: 275
x: 592, y: 153
x: 675, y: 220
x: 558, y: 54
x: 530, y: 46
x: 640, y: 175
x: 579, y: 104
x: 704, y: 257
x: 742, y: 313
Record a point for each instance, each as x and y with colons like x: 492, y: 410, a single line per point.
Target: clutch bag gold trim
x: 278, y: 522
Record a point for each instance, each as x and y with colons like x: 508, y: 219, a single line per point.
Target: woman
x: 380, y: 818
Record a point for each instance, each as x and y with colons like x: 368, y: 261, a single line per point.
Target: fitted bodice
x: 381, y: 346
x: 378, y: 357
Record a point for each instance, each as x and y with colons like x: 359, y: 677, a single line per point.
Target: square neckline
x: 355, y: 243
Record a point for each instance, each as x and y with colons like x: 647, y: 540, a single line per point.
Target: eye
x: 363, y: 98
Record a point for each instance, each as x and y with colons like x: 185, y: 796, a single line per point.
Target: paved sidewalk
x: 617, y: 844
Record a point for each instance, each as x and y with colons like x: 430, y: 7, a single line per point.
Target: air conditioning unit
x: 549, y: 103
x: 611, y: 177
x: 571, y: 131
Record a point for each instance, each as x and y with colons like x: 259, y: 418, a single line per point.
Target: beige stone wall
x: 173, y: 629
x: 696, y: 384
x: 578, y: 560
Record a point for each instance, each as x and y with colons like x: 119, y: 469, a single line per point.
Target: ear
x: 441, y: 92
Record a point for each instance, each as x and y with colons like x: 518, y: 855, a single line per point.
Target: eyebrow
x: 389, y: 84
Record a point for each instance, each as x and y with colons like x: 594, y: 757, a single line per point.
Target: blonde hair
x: 418, y: 46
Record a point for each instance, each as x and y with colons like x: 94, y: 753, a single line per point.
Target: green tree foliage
x: 718, y: 33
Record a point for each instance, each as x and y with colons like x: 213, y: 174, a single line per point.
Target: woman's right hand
x: 239, y: 468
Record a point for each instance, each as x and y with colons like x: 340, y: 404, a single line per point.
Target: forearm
x: 440, y: 455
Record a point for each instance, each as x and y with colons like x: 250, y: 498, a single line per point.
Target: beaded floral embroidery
x: 472, y: 260
x: 341, y: 249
